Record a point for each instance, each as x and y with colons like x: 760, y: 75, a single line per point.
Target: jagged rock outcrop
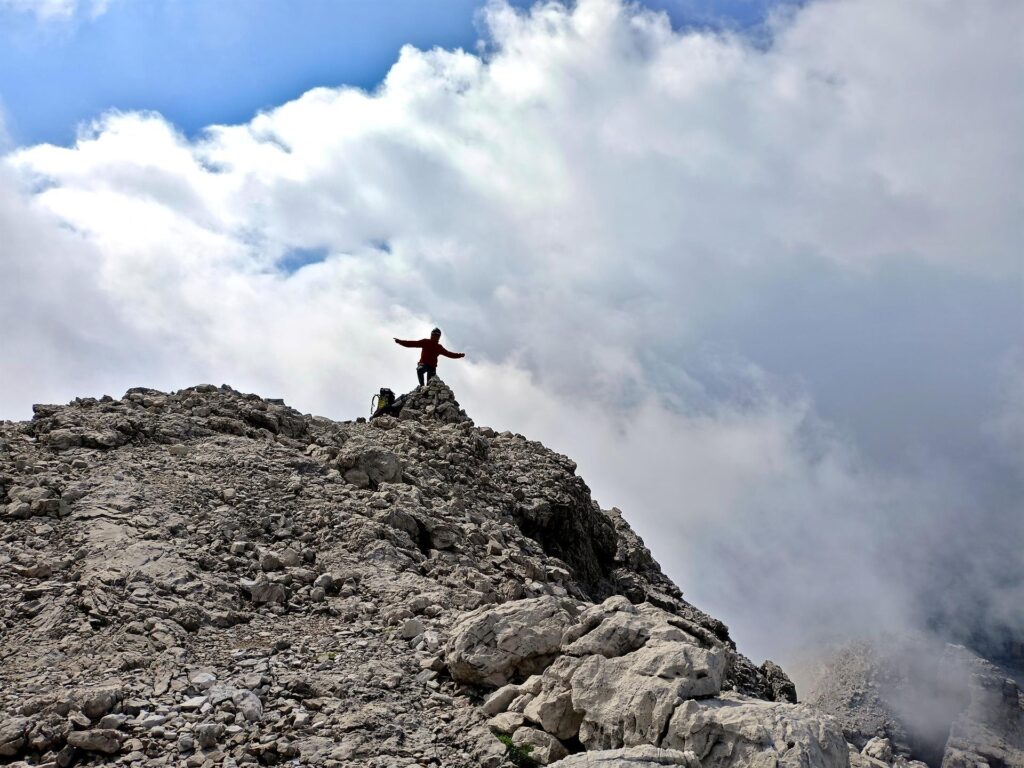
x: 491, y: 646
x: 207, y: 578
x: 911, y: 700
x: 991, y: 729
x: 626, y: 675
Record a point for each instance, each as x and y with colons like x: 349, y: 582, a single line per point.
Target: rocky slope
x: 209, y: 578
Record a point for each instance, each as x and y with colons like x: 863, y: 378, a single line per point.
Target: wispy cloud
x: 57, y: 10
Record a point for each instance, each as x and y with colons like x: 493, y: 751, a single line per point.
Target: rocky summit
x: 210, y: 578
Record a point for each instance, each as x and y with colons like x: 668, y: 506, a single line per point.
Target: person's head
x: 435, y: 334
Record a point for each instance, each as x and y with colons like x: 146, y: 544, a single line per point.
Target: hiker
x: 431, y: 347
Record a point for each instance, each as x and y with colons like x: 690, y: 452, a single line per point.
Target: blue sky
x: 199, y: 62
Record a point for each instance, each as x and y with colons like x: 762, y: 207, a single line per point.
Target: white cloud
x: 56, y: 10
x: 43, y: 9
x: 584, y: 207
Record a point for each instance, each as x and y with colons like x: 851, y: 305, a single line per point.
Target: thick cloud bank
x: 766, y: 291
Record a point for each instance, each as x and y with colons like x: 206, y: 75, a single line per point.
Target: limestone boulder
x: 879, y: 748
x: 506, y: 722
x: 13, y: 735
x: 858, y: 760
x: 93, y: 701
x: 610, y: 629
x: 62, y: 439
x: 628, y: 700
x: 493, y: 645
x: 363, y: 465
x: 553, y: 711
x: 263, y: 591
x: 105, y: 740
x: 501, y: 698
x: 645, y: 756
x: 542, y: 747
x: 735, y: 730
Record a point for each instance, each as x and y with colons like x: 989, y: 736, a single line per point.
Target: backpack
x: 382, y: 400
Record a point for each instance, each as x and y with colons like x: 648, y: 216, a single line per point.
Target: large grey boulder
x: 878, y: 748
x: 735, y: 730
x: 622, y: 671
x: 542, y: 747
x: 610, y: 629
x: 778, y: 686
x: 493, y: 645
x: 13, y: 735
x: 105, y: 740
x: 644, y: 756
x: 551, y: 707
x: 92, y: 701
x: 858, y: 760
x: 628, y: 700
x: 363, y: 464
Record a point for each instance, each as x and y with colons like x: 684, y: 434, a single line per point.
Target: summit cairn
x: 211, y: 578
x: 434, y: 401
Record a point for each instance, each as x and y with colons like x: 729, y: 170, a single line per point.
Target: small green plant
x: 519, y: 756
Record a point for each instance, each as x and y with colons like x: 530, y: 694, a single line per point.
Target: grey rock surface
x: 490, y: 646
x: 644, y: 756
x: 630, y: 699
x: 738, y: 731
x: 103, y: 740
x: 541, y: 746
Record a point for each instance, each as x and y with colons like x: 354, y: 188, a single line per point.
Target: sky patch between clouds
x: 728, y: 278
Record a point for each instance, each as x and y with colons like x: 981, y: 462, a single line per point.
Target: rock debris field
x: 209, y: 578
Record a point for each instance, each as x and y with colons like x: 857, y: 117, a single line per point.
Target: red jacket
x: 431, y: 350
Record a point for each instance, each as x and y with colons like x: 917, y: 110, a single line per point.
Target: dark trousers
x: 427, y: 371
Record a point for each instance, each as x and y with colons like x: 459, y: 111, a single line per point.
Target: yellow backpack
x: 382, y: 400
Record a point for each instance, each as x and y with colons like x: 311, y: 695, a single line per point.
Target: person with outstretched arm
x: 431, y: 349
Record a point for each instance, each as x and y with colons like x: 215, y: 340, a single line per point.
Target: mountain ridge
x: 207, y: 577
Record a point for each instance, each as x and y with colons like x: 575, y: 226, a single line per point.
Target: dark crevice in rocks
x: 929, y: 747
x: 665, y: 726
x: 422, y: 538
x: 574, y: 745
x: 579, y: 536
